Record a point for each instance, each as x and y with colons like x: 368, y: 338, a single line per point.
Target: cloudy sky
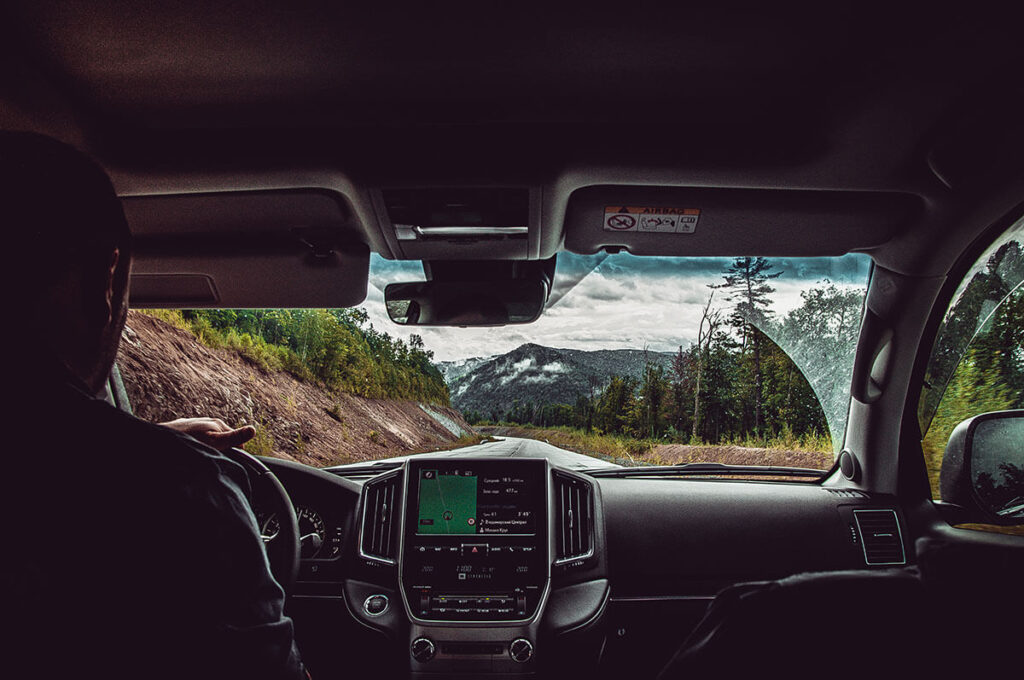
x: 612, y: 301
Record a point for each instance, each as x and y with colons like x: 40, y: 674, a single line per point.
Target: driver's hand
x: 213, y: 432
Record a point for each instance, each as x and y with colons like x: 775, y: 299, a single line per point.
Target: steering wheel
x: 283, y: 548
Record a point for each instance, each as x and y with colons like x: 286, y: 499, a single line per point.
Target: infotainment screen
x: 473, y: 500
x: 475, y: 543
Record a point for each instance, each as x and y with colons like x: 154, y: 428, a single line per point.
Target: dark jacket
x: 129, y: 550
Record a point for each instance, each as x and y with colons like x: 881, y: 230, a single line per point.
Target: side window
x: 977, y: 363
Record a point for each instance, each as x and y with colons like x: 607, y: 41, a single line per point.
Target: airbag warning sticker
x: 666, y: 220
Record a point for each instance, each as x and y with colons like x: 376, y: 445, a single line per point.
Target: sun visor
x: 289, y: 248
x: 726, y: 222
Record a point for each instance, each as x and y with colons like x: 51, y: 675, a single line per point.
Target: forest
x: 733, y: 383
x: 335, y: 348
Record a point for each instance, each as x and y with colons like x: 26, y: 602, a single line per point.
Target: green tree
x: 746, y: 283
x: 821, y: 338
x: 615, y: 405
x: 651, y: 399
x: 680, y: 399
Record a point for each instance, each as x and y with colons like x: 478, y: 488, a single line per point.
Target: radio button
x: 423, y: 649
x: 520, y: 650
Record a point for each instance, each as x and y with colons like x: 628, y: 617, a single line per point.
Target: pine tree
x: 746, y: 281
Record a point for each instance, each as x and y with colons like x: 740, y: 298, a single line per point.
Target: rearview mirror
x: 983, y: 468
x: 465, y: 303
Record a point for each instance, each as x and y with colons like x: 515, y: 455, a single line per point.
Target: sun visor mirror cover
x: 246, y: 250
x: 724, y: 222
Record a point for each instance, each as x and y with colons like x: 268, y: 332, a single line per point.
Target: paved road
x: 516, y: 447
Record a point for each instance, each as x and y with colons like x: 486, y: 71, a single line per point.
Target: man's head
x: 68, y: 255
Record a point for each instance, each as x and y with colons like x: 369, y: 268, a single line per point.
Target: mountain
x: 454, y: 370
x: 538, y: 374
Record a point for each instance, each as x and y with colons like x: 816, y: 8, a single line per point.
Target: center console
x: 481, y: 566
x: 476, y: 539
x: 474, y: 563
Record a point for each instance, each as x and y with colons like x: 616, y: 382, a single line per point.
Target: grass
x: 811, y: 442
x: 262, y: 443
x: 611, y: 447
x: 812, y: 450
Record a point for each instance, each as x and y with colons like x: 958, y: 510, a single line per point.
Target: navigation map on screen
x: 447, y: 502
x: 477, y: 499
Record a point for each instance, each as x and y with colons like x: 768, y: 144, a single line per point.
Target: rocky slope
x: 168, y: 374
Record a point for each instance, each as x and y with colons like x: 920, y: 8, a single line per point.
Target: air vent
x: 847, y: 493
x: 574, y: 533
x: 379, y: 535
x: 880, y: 536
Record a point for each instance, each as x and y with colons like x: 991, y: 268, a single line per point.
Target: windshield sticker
x: 651, y: 219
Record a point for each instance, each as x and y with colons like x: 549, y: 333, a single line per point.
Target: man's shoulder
x: 96, y: 437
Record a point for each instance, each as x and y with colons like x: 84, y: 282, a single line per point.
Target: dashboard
x: 514, y: 567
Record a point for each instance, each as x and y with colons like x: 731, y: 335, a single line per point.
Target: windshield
x: 635, y: 361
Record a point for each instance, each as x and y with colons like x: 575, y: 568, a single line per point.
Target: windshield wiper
x: 708, y: 469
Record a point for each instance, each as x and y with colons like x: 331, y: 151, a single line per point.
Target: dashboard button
x: 474, y: 549
x: 375, y: 605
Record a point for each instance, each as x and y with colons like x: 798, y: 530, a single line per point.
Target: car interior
x: 263, y: 151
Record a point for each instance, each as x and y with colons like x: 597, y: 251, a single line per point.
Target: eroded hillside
x: 168, y: 374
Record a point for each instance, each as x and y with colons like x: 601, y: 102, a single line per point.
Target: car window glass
x: 977, y: 362
x: 635, y: 361
x: 803, y: 314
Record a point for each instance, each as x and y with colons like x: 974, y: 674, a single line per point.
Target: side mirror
x: 983, y: 468
x: 465, y: 303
